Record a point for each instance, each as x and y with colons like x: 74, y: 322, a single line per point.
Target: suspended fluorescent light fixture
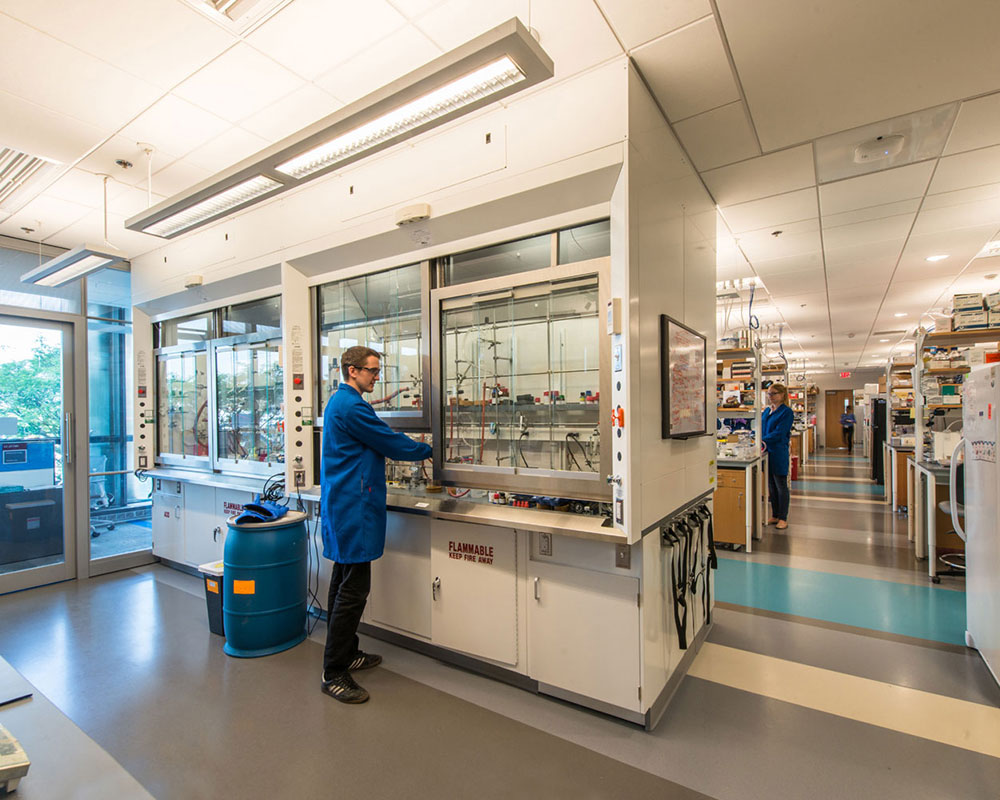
x: 502, y: 61
x: 79, y: 261
x: 74, y: 263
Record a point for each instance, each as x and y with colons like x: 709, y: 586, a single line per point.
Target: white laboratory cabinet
x: 474, y: 590
x: 401, y: 579
x: 189, y: 520
x: 583, y: 633
x: 168, y: 519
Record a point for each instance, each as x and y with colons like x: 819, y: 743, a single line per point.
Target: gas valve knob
x: 615, y: 479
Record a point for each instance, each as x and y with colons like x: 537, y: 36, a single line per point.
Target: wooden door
x: 835, y: 399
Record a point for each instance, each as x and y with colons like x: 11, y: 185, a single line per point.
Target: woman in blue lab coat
x: 776, y: 431
x: 355, y: 445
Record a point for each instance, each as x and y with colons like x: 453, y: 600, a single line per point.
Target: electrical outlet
x: 300, y: 478
x: 545, y: 544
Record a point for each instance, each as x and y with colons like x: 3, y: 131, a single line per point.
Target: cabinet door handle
x: 68, y: 442
x: 215, y: 534
x: 740, y: 501
x: 435, y: 585
x: 537, y: 595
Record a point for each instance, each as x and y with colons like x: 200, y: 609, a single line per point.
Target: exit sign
x: 845, y: 374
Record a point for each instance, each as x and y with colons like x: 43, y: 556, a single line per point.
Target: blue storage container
x: 264, y: 593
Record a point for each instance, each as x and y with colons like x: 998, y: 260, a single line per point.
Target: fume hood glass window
x: 509, y: 258
x: 249, y: 402
x: 585, y: 242
x: 521, y: 378
x: 381, y: 311
x: 185, y: 330
x: 257, y: 316
x: 183, y: 404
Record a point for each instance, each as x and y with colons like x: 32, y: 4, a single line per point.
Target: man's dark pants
x: 349, y: 587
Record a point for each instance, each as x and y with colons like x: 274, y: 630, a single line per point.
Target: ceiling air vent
x: 239, y: 15
x: 887, y: 333
x: 16, y: 170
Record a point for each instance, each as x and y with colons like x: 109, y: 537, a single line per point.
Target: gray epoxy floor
x: 128, y: 658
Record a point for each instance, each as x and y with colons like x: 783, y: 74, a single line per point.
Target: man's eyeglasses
x: 373, y: 370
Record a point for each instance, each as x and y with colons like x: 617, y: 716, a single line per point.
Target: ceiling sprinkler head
x: 28, y: 230
x: 123, y: 163
x: 776, y: 234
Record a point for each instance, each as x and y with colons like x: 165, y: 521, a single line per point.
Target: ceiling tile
x: 174, y: 127
x: 78, y: 186
x: 102, y: 161
x: 688, y: 70
x: 455, y: 22
x: 876, y: 253
x: 967, y: 215
x: 879, y: 188
x: 845, y: 71
x: 864, y: 233
x: 796, y: 239
x: 586, y: 42
x: 414, y: 8
x: 718, y: 137
x: 639, y: 21
x: 959, y: 197
x: 291, y: 113
x: 42, y: 132
x: 238, y: 84
x: 978, y: 125
x: 178, y: 177
x: 965, y: 170
x: 140, y: 38
x: 772, y: 212
x: 768, y: 175
x: 803, y: 262
x: 872, y: 213
x: 231, y: 147
x: 848, y: 277
x: 312, y: 36
x: 793, y: 283
x: 53, y: 74
x: 391, y: 58
x: 52, y: 213
x: 959, y: 245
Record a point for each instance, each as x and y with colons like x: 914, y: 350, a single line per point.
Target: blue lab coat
x: 776, y: 431
x: 355, y: 445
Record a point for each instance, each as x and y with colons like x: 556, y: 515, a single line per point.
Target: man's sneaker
x: 365, y: 661
x: 343, y: 688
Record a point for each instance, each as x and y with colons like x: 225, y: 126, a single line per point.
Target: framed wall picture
x: 683, y: 395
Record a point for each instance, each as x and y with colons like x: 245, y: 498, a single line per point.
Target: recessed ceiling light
x: 883, y: 340
x: 900, y: 314
x: 936, y: 258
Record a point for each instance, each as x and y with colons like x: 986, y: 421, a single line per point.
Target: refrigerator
x: 981, y: 526
x: 878, y: 423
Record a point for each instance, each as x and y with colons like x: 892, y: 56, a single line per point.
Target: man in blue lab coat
x: 355, y: 445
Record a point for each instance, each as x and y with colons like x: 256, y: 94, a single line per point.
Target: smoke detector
x: 193, y: 281
x: 411, y: 214
x: 879, y: 148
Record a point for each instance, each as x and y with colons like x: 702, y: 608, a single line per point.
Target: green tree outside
x: 31, y: 390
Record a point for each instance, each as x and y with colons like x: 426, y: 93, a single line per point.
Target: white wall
x: 831, y: 380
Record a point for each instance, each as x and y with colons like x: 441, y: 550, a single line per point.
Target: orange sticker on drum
x: 244, y: 587
x: 212, y: 586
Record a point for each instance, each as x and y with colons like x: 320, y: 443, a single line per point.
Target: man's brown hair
x: 356, y: 357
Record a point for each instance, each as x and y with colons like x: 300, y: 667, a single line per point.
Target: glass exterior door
x: 37, y: 458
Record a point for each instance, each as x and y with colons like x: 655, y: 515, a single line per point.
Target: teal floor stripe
x: 924, y: 612
x: 866, y: 489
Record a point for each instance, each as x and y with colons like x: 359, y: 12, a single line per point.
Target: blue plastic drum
x: 264, y: 591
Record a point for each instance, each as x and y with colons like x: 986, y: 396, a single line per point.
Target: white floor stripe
x: 833, y: 478
x: 797, y: 496
x: 959, y: 723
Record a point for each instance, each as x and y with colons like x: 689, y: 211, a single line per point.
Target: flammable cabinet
x: 475, y: 567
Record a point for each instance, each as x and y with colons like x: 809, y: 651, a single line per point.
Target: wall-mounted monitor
x: 683, y: 379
